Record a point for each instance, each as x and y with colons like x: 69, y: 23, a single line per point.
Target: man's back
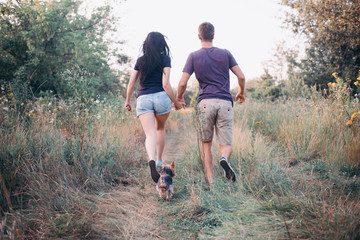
x: 211, y: 67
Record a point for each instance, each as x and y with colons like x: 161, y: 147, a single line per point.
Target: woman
x: 155, y: 96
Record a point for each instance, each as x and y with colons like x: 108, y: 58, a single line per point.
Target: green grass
x: 81, y: 174
x: 295, y: 180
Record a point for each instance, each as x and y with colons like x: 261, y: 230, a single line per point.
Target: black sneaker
x: 154, y: 173
x: 228, y: 171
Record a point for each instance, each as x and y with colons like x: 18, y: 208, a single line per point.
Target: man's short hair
x: 206, y: 31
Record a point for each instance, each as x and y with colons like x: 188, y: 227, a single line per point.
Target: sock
x: 159, y: 163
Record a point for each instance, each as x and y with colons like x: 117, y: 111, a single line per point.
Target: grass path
x: 134, y: 210
x: 224, y: 212
x: 254, y: 207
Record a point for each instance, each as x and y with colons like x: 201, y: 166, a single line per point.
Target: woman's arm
x: 130, y: 89
x: 168, y: 89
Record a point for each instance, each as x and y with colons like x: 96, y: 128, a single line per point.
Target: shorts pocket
x: 165, y: 101
x: 162, y: 103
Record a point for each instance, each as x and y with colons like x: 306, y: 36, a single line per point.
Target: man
x: 211, y: 66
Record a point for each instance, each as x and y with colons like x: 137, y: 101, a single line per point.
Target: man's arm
x: 240, y: 97
x: 182, y: 86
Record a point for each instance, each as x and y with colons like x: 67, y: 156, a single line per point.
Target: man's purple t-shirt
x: 211, y: 67
x: 153, y: 82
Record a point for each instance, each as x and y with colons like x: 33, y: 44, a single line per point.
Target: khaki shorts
x: 216, y: 113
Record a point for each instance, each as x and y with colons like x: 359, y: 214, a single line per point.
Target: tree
x: 333, y: 30
x: 40, y: 40
x: 266, y: 89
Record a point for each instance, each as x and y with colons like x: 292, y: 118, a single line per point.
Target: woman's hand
x: 127, y: 106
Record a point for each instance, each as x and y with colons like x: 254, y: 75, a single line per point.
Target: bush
x: 266, y: 89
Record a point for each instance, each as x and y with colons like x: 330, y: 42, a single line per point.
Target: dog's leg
x: 168, y: 195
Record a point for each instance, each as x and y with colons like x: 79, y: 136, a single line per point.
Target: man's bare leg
x: 207, y: 159
x: 225, y: 151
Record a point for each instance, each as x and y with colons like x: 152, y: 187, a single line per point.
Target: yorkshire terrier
x: 165, y: 185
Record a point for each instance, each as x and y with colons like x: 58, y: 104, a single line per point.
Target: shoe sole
x: 229, y: 172
x: 154, y: 173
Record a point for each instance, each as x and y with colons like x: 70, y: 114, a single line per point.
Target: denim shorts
x: 158, y: 103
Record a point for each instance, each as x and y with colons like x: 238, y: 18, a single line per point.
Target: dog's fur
x: 165, y: 185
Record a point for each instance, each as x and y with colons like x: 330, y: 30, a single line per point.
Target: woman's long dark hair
x: 154, y: 46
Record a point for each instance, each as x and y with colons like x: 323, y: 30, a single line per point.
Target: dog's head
x: 165, y: 185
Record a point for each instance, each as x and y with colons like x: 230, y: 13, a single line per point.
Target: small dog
x: 165, y: 185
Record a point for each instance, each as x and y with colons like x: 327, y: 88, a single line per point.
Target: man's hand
x: 178, y: 105
x: 240, y: 98
x: 181, y: 101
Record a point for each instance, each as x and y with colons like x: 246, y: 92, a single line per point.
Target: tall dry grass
x: 296, y: 160
x: 57, y: 160
x: 298, y: 174
x: 297, y: 165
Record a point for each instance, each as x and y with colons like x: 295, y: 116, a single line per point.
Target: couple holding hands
x: 215, y: 103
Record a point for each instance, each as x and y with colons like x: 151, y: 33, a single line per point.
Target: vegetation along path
x: 72, y: 161
x: 280, y: 193
x: 290, y: 184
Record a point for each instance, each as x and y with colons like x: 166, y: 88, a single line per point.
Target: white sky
x: 249, y: 29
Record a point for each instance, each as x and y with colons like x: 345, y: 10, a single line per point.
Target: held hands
x: 179, y: 104
x: 240, y: 98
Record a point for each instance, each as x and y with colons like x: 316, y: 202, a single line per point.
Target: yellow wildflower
x: 357, y: 82
x: 335, y: 74
x: 259, y: 122
x: 358, y: 78
x: 349, y: 123
x: 353, y: 116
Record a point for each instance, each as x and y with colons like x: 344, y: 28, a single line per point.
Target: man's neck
x: 206, y: 44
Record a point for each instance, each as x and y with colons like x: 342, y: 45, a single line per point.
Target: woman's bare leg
x: 160, y: 133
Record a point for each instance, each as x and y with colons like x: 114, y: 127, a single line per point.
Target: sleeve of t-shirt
x: 166, y: 61
x: 189, y: 67
x: 136, y: 67
x: 232, y: 61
